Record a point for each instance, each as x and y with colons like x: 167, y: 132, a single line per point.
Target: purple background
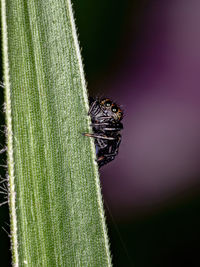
x: 157, y: 82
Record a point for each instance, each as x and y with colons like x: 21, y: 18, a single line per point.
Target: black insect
x: 106, y: 119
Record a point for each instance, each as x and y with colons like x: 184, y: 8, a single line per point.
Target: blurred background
x: 144, y: 55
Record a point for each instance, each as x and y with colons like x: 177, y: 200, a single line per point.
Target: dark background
x: 144, y: 54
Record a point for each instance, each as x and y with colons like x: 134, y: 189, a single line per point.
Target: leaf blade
x: 60, y: 220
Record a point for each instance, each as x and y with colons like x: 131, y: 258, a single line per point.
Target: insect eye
x: 108, y: 103
x: 114, y: 109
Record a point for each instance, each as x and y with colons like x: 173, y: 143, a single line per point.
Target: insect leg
x: 99, y: 124
x: 99, y: 136
x: 103, y: 160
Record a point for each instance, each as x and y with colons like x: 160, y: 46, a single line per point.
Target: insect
x: 106, y: 124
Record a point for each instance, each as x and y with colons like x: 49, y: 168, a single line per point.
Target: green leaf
x: 56, y: 211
